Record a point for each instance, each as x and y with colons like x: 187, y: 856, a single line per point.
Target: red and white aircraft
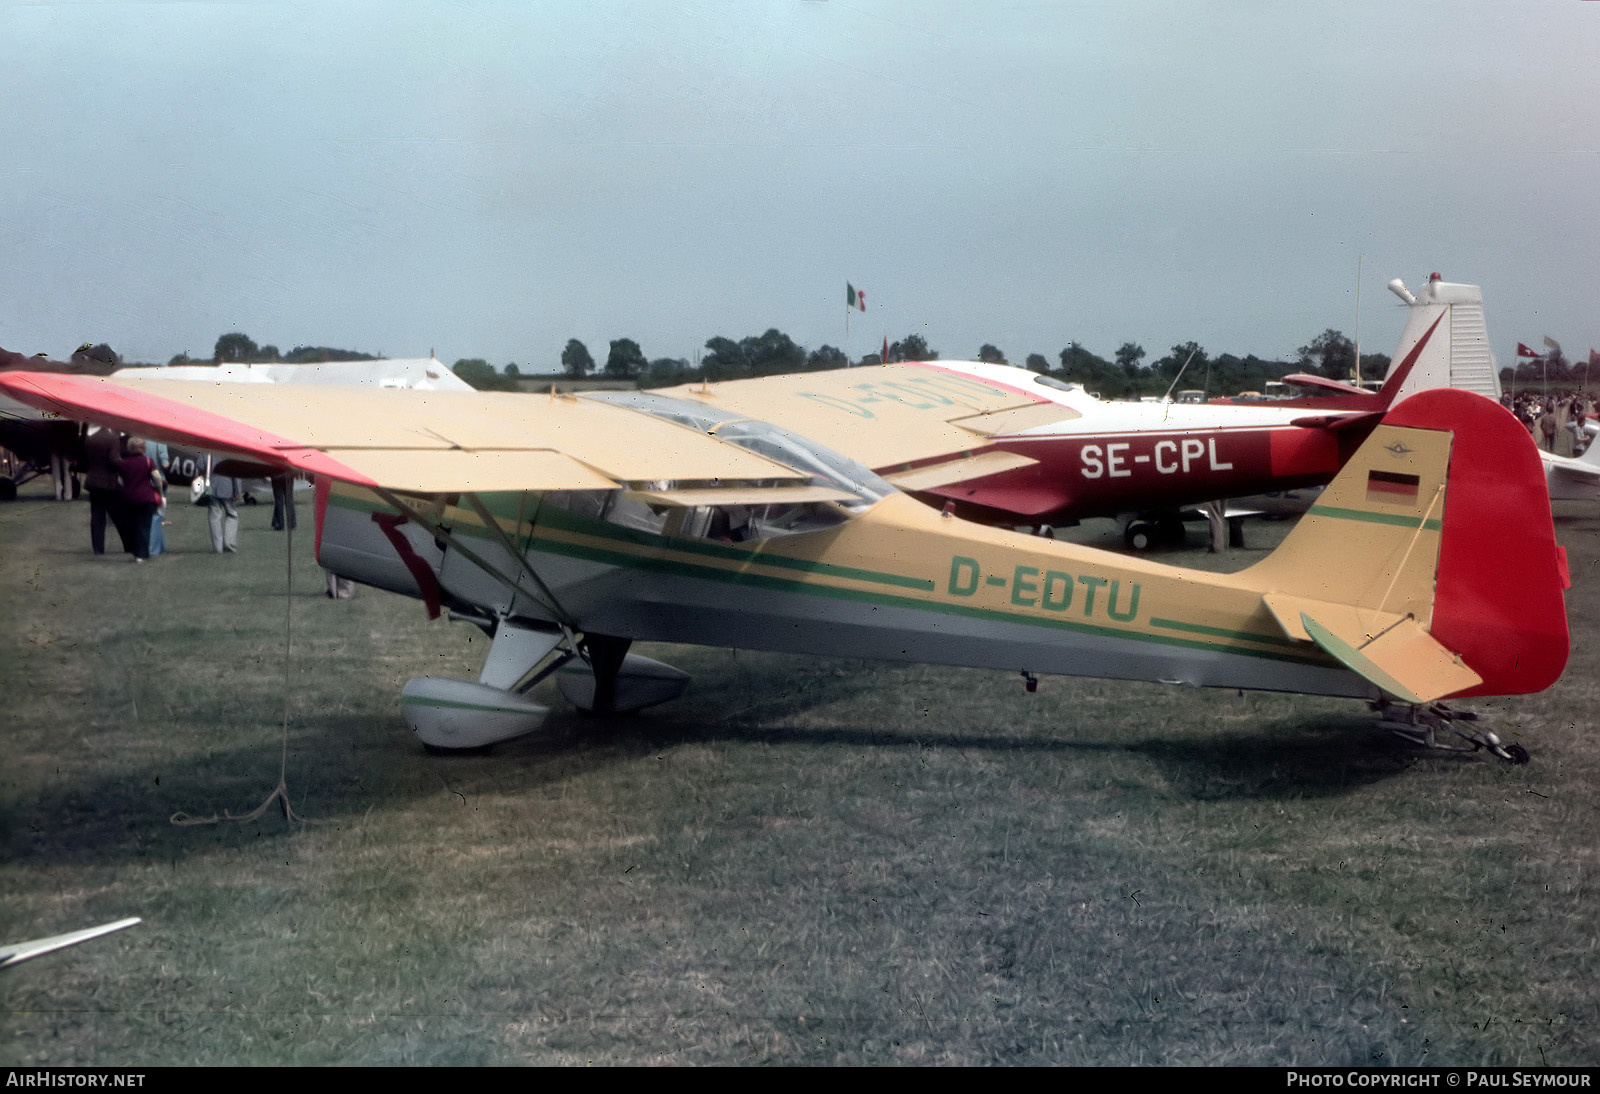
x: 1142, y: 462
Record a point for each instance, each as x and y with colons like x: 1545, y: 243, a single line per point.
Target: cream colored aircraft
x: 568, y: 528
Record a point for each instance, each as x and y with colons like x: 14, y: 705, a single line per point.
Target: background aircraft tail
x: 1458, y: 354
x: 1438, y: 530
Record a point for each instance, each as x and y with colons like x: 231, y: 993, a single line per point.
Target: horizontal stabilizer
x: 1326, y: 386
x: 1395, y: 653
x: 1339, y: 421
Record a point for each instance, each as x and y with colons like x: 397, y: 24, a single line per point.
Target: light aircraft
x: 40, y: 443
x: 1060, y: 455
x: 1573, y: 478
x: 570, y: 527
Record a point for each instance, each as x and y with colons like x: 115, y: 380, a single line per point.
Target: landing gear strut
x: 605, y: 655
x: 1420, y: 725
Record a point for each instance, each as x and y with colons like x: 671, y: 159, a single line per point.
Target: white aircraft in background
x: 1573, y: 478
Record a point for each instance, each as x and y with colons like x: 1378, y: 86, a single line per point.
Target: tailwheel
x: 1140, y: 536
x: 1420, y: 724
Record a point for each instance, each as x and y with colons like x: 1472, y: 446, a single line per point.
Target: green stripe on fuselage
x: 619, y: 554
x: 1367, y: 516
x: 1223, y: 632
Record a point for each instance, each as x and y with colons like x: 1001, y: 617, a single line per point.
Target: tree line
x: 1127, y: 374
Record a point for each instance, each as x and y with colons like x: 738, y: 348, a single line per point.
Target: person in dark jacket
x: 141, y: 495
x: 102, y: 453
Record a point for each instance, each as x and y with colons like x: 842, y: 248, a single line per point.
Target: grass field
x: 803, y: 861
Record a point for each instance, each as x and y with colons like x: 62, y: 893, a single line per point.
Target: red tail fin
x: 1498, y: 596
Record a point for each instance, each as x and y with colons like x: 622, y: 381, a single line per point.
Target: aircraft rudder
x: 1499, y: 600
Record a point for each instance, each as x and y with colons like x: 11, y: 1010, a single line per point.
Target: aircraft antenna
x: 1358, y: 319
x: 1167, y: 398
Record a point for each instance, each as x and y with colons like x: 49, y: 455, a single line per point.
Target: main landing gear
x: 1421, y: 724
x: 1145, y: 535
x: 595, y: 673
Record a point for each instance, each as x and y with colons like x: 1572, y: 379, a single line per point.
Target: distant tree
x: 827, y: 357
x: 185, y: 359
x: 626, y: 360
x: 308, y: 355
x: 726, y: 361
x: 482, y: 375
x: 1037, y: 362
x: 267, y: 353
x: 991, y: 354
x: 773, y: 354
x: 235, y: 347
x: 1187, y: 358
x: 575, y: 359
x: 1330, y: 353
x: 913, y: 348
x: 1375, y: 366
x: 1095, y: 373
x: 1129, y: 354
x: 512, y: 370
x: 665, y: 371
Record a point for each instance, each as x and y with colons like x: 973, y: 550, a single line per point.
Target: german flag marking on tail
x: 1392, y: 487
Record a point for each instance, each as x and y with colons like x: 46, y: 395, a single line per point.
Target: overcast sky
x: 492, y: 179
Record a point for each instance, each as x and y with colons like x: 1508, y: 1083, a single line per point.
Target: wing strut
x: 499, y: 533
x: 544, y: 597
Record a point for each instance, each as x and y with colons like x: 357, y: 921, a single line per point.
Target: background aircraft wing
x: 889, y: 417
x: 424, y: 441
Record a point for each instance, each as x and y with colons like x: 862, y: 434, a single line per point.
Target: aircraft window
x: 1059, y: 385
x: 632, y: 513
x: 723, y: 523
x: 826, y: 468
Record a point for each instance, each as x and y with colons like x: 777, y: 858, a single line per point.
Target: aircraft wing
x: 1575, y: 469
x: 16, y: 953
x: 892, y: 418
x: 422, y: 441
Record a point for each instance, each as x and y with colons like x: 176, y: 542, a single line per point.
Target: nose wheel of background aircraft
x: 1420, y: 725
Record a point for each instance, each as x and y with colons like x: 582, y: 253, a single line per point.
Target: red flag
x: 1524, y: 351
x: 885, y: 356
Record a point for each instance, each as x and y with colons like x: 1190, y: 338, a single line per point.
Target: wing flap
x: 432, y: 471
x: 741, y: 495
x: 962, y: 469
x: 994, y: 423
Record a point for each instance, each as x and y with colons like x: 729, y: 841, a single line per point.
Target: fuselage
x: 897, y: 582
x: 1109, y: 458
